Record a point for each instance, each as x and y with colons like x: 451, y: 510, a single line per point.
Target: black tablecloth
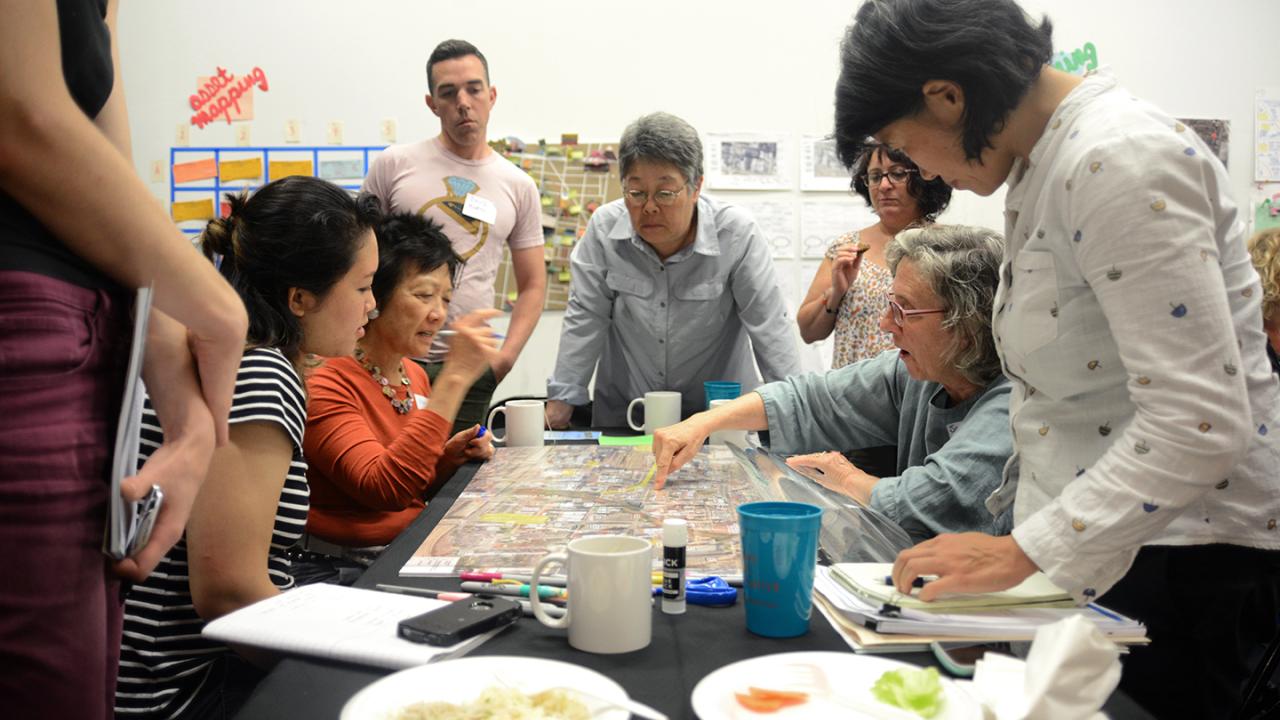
x: 685, y: 648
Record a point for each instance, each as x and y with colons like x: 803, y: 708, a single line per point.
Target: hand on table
x: 837, y: 474
x: 970, y: 562
x: 558, y: 414
x: 465, y: 446
x: 674, y: 445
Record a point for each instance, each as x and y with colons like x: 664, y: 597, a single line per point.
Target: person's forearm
x: 524, y: 316
x: 169, y: 372
x: 743, y: 413
x: 814, y: 320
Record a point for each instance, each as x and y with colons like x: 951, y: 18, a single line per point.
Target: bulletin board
x: 573, y: 180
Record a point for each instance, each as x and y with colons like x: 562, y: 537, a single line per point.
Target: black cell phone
x: 460, y: 620
x: 960, y: 658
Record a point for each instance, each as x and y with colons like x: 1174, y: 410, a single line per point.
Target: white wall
x: 590, y: 68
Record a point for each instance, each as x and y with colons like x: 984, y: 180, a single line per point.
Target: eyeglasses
x: 896, y: 176
x: 639, y: 198
x: 900, y: 314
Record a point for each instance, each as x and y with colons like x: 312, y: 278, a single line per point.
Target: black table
x: 685, y: 648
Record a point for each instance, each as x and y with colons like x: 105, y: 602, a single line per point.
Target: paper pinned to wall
x: 195, y: 170
x: 284, y: 168
x: 777, y: 220
x: 192, y: 210
x: 250, y: 169
x: 820, y: 166
x: 1266, y: 153
x: 748, y: 161
x: 341, y: 169
x: 822, y: 221
x: 1266, y: 214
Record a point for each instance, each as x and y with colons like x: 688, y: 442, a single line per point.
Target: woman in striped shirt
x: 301, y: 254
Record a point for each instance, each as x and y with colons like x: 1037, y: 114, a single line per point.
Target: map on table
x: 528, y: 502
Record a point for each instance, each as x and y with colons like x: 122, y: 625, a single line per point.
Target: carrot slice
x: 790, y: 697
x: 758, y: 704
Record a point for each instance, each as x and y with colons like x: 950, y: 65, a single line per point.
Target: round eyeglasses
x: 640, y: 198
x: 900, y: 314
x: 896, y: 176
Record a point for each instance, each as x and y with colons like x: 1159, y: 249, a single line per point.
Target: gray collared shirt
x: 670, y: 326
x: 950, y: 456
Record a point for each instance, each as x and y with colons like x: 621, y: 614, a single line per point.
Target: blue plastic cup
x: 779, y: 553
x: 721, y: 390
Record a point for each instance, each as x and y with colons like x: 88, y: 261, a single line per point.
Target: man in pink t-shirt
x: 483, y: 201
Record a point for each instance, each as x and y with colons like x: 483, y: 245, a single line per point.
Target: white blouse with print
x: 1128, y: 319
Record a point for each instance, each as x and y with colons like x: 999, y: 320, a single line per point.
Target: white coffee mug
x: 524, y: 423
x: 661, y: 408
x: 610, y: 604
x: 721, y: 437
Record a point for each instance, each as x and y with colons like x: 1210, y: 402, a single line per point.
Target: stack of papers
x: 340, y: 623
x: 875, y: 618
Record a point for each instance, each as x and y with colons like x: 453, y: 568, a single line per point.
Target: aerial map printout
x: 528, y: 502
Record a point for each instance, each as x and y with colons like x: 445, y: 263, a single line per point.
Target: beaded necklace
x: 401, y: 406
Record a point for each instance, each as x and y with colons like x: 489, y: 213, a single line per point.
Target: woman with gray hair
x: 669, y: 288
x: 939, y: 397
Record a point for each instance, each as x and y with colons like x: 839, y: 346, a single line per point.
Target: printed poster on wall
x: 748, y: 161
x: 1266, y: 144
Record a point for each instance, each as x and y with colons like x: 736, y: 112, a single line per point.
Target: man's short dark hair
x: 448, y: 50
x: 990, y: 48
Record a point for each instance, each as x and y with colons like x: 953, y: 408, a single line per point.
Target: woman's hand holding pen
x: 836, y: 473
x: 473, y: 346
x: 474, y: 443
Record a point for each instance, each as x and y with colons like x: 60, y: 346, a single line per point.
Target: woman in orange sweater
x: 377, y: 439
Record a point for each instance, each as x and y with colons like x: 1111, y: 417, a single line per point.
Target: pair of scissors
x: 711, y: 591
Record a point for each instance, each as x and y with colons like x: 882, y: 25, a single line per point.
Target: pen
x: 480, y: 433
x: 551, y: 611
x: 522, y: 590
x: 553, y: 580
x: 919, y: 582
x: 451, y: 333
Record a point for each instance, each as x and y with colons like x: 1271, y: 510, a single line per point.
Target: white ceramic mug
x: 610, y: 608
x: 661, y: 408
x: 524, y: 423
x: 720, y: 437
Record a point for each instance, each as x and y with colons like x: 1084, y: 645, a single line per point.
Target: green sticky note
x: 564, y: 276
x: 626, y: 440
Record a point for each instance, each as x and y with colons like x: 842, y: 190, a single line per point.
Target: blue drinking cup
x: 779, y: 554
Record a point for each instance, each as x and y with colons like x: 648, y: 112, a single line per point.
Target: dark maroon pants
x: 63, y: 355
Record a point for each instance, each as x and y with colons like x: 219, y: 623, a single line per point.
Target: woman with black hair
x: 1127, y: 316
x: 848, y: 293
x: 378, y: 432
x: 301, y: 254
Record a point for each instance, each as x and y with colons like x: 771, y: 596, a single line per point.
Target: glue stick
x: 675, y: 536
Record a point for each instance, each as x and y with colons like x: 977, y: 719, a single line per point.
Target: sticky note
x: 284, y: 168
x: 195, y: 170
x: 575, y: 209
x: 546, y: 201
x: 192, y: 210
x: 563, y: 276
x: 626, y: 441
x: 566, y: 240
x: 569, y: 138
x: 514, y: 518
x: 577, y: 155
x: 341, y: 169
x: 250, y: 169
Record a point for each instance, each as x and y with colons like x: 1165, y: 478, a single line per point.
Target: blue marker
x: 480, y: 433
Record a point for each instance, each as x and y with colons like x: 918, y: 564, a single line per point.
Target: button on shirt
x: 1128, y: 320
x: 699, y: 316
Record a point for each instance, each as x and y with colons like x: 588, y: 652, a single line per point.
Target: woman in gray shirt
x: 939, y: 397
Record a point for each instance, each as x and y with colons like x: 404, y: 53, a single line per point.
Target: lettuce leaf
x: 918, y: 691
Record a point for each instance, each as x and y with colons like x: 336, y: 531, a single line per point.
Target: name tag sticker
x: 480, y: 209
x: 421, y: 401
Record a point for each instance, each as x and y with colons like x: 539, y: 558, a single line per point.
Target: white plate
x: 462, y: 680
x: 848, y: 675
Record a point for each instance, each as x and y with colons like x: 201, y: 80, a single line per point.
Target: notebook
x: 129, y: 523
x: 339, y: 623
x: 867, y: 580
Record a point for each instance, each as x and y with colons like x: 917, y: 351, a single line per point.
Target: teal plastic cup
x: 779, y: 553
x: 721, y: 390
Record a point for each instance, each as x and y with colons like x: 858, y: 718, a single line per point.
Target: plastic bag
x: 851, y: 531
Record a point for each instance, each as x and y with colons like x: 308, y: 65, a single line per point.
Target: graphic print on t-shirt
x: 451, y: 204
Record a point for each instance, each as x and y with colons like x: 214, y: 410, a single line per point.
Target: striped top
x: 164, y: 662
